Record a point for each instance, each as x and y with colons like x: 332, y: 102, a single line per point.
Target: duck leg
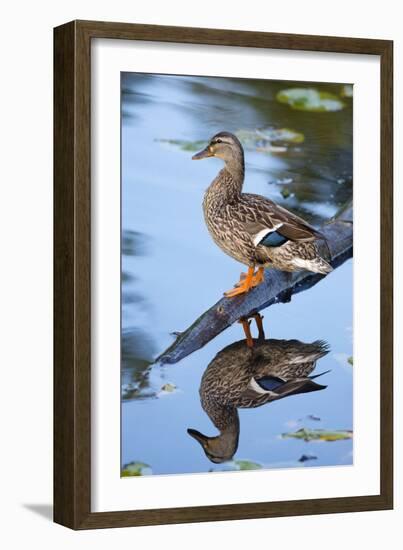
x: 247, y: 282
x: 246, y: 327
x: 244, y: 285
x: 259, y: 323
x: 256, y: 279
x: 245, y: 322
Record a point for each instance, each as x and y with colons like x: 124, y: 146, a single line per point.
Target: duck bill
x: 196, y: 435
x: 205, y: 153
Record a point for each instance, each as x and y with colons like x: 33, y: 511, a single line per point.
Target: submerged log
x: 278, y: 287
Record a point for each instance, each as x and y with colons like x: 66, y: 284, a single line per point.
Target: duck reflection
x: 246, y: 376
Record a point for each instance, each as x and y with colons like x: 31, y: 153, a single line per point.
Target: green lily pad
x: 274, y: 140
x: 282, y: 135
x: 263, y: 136
x: 135, y: 469
x: 184, y: 145
x: 310, y: 99
x: 168, y: 387
x: 319, y: 435
x: 242, y: 464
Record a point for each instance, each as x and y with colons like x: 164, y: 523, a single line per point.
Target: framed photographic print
x: 221, y: 352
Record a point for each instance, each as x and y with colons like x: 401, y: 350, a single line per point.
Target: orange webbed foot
x: 258, y: 278
x: 244, y: 285
x: 247, y: 281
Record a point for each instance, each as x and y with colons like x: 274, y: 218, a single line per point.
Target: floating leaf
x: 264, y: 139
x: 249, y: 138
x: 350, y: 360
x: 310, y: 99
x: 135, y: 469
x: 305, y: 458
x: 287, y: 135
x: 272, y: 140
x: 319, y: 435
x: 285, y: 192
x: 184, y: 145
x: 242, y: 464
x: 168, y: 387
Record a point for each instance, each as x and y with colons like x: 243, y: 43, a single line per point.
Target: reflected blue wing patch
x: 270, y: 383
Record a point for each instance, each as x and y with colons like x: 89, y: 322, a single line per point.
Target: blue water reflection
x: 172, y: 271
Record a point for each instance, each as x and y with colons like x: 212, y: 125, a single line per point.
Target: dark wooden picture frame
x: 72, y: 274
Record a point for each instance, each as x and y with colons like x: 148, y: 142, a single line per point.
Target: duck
x: 243, y: 377
x: 253, y: 229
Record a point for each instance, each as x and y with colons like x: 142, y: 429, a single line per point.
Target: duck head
x: 225, y: 146
x: 217, y: 449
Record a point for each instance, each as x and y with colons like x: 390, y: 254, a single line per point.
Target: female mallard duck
x: 240, y: 377
x: 251, y: 228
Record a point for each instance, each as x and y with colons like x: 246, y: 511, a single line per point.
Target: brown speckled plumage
x: 231, y: 381
x: 235, y: 219
x: 225, y: 381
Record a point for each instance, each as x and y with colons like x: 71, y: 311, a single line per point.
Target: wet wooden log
x: 278, y: 287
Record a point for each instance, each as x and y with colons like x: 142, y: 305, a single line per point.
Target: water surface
x: 172, y: 271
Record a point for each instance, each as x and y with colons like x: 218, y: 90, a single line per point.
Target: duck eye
x: 218, y: 140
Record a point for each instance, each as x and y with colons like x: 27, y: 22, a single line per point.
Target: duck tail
x: 316, y: 265
x: 321, y: 266
x: 320, y: 374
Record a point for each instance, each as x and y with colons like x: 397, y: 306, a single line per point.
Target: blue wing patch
x: 270, y: 383
x: 273, y: 239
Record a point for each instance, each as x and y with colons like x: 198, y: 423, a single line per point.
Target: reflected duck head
x: 218, y: 449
